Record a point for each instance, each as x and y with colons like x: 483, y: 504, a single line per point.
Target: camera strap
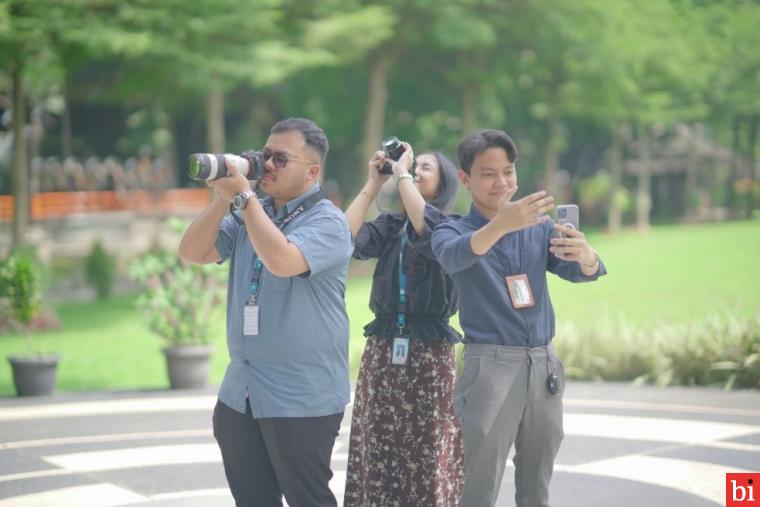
x: 258, y: 266
x: 305, y: 205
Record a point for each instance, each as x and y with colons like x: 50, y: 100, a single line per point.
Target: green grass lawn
x: 673, y: 274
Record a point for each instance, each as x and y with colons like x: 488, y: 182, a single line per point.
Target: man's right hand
x: 526, y: 212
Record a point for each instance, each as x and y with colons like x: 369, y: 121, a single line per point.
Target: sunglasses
x: 280, y: 159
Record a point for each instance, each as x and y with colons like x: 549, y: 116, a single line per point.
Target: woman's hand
x: 404, y: 163
x: 374, y: 177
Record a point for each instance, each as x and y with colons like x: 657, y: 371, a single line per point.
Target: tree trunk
x: 751, y: 163
x: 644, y: 192
x: 215, y: 117
x: 614, y: 217
x: 374, y: 121
x: 552, y: 146
x: 469, y: 108
x: 172, y: 156
x: 20, y: 167
x: 261, y: 120
x: 66, y: 123
x: 735, y: 167
x: 690, y: 192
x: 374, y: 117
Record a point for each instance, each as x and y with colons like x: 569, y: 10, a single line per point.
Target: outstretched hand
x: 526, y: 212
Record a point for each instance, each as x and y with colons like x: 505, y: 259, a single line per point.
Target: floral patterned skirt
x: 406, y: 443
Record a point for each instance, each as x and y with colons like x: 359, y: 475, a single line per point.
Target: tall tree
x: 33, y: 36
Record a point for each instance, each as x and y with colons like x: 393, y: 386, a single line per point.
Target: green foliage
x: 100, y: 270
x: 614, y: 352
x: 595, y: 190
x: 20, y: 282
x: 20, y: 294
x: 724, y: 350
x: 559, y: 76
x: 179, y: 299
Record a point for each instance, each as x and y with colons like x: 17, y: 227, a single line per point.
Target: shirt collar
x: 476, y: 218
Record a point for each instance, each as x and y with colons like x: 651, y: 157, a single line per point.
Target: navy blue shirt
x: 486, y: 313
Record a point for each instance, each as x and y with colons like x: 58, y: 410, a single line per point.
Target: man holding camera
x: 511, y: 388
x: 285, y: 389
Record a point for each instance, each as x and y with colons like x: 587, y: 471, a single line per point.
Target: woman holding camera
x: 405, y: 444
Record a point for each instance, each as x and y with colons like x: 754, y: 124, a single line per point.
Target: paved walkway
x: 624, y: 446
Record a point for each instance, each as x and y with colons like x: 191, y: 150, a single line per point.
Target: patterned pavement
x: 625, y: 446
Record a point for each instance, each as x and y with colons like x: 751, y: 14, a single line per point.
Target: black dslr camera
x: 393, y: 148
x: 210, y: 166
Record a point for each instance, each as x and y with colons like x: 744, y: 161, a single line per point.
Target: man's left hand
x: 572, y: 246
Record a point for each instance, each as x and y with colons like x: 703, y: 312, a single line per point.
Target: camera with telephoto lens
x: 393, y: 149
x: 211, y: 166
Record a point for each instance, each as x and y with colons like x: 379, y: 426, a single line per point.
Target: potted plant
x: 33, y: 374
x: 178, y: 302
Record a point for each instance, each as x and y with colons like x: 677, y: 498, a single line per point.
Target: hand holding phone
x: 568, y: 215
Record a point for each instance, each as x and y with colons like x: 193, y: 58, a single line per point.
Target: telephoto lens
x: 393, y: 148
x: 211, y: 166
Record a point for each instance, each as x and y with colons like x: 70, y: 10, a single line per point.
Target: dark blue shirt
x: 485, y: 309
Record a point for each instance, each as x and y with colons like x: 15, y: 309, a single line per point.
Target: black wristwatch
x: 240, y: 200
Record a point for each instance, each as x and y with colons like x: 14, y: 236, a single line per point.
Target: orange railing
x: 47, y: 205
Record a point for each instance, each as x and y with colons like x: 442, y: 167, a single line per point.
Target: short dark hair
x: 479, y: 141
x: 447, y: 182
x: 312, y: 133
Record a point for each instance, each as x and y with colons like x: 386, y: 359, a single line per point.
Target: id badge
x: 400, y: 351
x: 519, y: 291
x: 251, y: 319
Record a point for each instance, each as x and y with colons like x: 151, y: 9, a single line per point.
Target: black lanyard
x: 258, y: 266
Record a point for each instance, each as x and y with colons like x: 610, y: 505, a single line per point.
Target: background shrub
x: 100, y: 270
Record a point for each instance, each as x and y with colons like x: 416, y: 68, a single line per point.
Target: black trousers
x: 267, y: 458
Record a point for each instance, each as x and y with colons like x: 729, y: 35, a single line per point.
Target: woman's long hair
x: 448, y: 182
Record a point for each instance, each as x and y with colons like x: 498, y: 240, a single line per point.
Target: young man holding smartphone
x: 512, y: 385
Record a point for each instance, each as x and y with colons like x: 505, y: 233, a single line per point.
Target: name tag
x: 251, y: 319
x: 400, y: 351
x: 519, y: 291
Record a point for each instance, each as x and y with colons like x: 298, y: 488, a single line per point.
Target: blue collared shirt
x: 485, y: 309
x: 297, y: 366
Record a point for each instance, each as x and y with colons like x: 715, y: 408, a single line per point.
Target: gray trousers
x: 500, y: 399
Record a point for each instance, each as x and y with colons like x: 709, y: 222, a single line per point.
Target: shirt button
x: 247, y: 361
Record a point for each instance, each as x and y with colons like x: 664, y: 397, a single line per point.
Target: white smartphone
x: 568, y: 215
